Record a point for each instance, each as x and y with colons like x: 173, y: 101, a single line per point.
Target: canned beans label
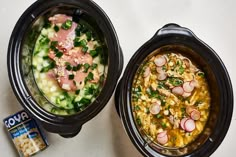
x: 25, y: 133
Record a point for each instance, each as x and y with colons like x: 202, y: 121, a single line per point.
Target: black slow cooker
x: 172, y: 37
x: 19, y: 61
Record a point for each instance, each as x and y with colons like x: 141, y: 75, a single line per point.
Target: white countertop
x: 136, y: 21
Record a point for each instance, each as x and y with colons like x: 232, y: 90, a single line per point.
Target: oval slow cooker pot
x: 173, y: 37
x: 19, y: 59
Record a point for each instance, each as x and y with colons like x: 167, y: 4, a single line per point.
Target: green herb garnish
x: 71, y: 77
x: 93, y: 53
x: 138, y: 120
x: 159, y: 115
x: 94, y: 66
x: 137, y: 107
x: 181, y: 70
x: 59, y: 54
x: 89, y: 77
x: 47, y: 68
x: 89, y: 35
x: 68, y: 67
x: 66, y: 25
x: 201, y: 74
x: 56, y: 28
x: 175, y: 81
x: 86, y: 67
x: 77, y: 91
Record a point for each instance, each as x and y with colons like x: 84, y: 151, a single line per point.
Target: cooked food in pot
x: 69, y: 65
x: 170, y: 99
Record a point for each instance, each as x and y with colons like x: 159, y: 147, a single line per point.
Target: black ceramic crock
x: 176, y: 38
x: 19, y: 58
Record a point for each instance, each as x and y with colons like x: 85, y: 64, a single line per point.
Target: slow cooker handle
x: 173, y: 28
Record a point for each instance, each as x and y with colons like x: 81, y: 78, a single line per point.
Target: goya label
x: 25, y: 133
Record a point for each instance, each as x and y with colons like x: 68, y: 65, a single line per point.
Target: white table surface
x: 136, y: 21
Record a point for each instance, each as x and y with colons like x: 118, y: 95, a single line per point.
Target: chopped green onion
x: 85, y: 101
x: 89, y: 35
x: 175, y: 81
x: 71, y: 77
x: 92, y: 90
x: 56, y: 28
x: 44, y: 40
x: 77, y: 91
x: 59, y: 54
x: 201, y: 74
x: 74, y: 68
x: 94, y: 66
x: 53, y: 45
x: 163, y: 125
x: 45, y: 57
x: 138, y: 120
x: 47, y: 68
x: 181, y: 70
x: 93, y: 53
x: 66, y: 25
x: 84, y: 49
x: 137, y: 108
x: 89, y: 77
x: 68, y: 67
x: 81, y: 43
x: 159, y: 115
x: 79, y: 66
x: 47, y: 24
x: 77, y: 30
x: 86, y: 67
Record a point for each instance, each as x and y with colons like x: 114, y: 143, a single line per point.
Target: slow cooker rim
x: 124, y: 96
x: 115, y: 45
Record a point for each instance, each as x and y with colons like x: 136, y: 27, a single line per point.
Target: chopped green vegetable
x: 75, y: 68
x: 138, y: 120
x: 79, y: 66
x: 47, y: 68
x: 92, y: 90
x: 201, y: 74
x: 44, y: 40
x: 53, y: 45
x: 68, y: 67
x: 77, y: 91
x: 152, y: 93
x: 159, y: 115
x: 47, y: 24
x: 85, y: 49
x: 89, y: 35
x: 89, y: 77
x: 45, y: 57
x: 183, y: 109
x: 71, y: 77
x: 93, y: 53
x: 161, y: 85
x: 85, y: 101
x: 163, y: 125
x: 86, y: 67
x: 66, y: 25
x: 94, y: 66
x: 137, y: 107
x: 77, y: 30
x: 175, y: 81
x: 56, y: 28
x: 81, y: 43
x: 181, y: 70
x: 198, y: 102
x: 59, y: 54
